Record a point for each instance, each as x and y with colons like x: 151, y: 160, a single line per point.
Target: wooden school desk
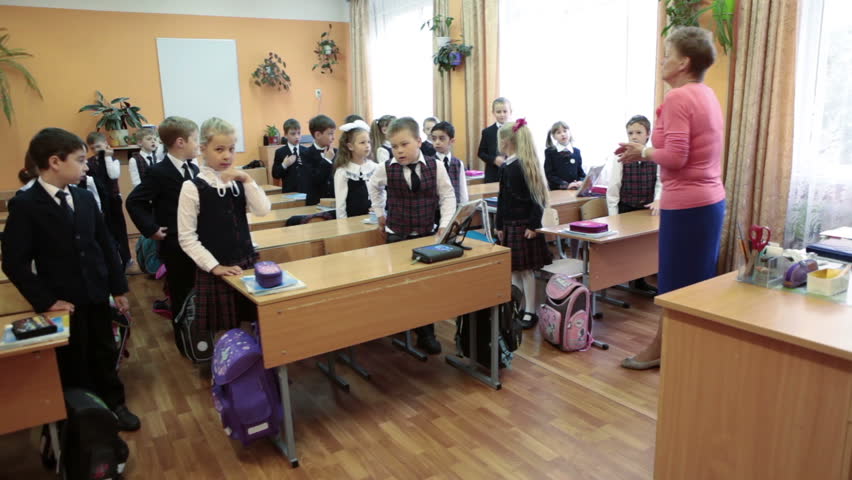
x: 270, y: 189
x: 284, y: 200
x: 477, y: 180
x: 355, y: 297
x: 315, y: 239
x: 3, y: 216
x: 754, y: 384
x: 30, y: 388
x: 11, y: 301
x: 278, y: 218
x: 483, y: 190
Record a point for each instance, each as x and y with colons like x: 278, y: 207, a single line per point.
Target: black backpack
x: 509, y: 335
x: 91, y: 447
x: 197, y: 342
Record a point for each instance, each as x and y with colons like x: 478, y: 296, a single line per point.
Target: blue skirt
x: 689, y: 245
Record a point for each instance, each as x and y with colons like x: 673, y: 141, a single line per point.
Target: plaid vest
x: 637, y: 184
x: 141, y: 164
x: 222, y: 223
x: 454, y: 166
x: 412, y: 212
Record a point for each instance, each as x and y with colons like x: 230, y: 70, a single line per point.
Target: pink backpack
x: 565, y: 320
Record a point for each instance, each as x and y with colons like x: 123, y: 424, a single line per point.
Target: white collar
x: 511, y: 159
x: 318, y: 147
x: 178, y: 164
x: 52, y: 189
x: 293, y: 148
x: 562, y: 148
x: 386, y: 143
x: 145, y: 155
x: 442, y: 156
x: 499, y: 125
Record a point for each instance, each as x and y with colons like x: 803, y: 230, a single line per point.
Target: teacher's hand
x: 630, y: 152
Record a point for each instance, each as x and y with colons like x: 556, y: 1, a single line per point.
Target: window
x: 821, y: 185
x: 590, y: 64
x: 401, y: 59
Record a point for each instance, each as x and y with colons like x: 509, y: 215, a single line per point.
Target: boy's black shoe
x: 429, y: 344
x: 641, y: 284
x: 127, y: 421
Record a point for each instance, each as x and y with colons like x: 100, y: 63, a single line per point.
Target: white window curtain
x: 589, y: 64
x: 401, y: 59
x: 821, y: 184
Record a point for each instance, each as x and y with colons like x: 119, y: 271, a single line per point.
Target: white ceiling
x: 324, y: 10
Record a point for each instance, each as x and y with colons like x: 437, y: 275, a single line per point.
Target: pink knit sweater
x: 687, y: 141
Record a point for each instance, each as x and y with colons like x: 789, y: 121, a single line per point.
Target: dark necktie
x: 415, y: 180
x: 447, y: 163
x: 63, y: 202
x: 296, y: 153
x: 187, y: 175
x: 150, y: 160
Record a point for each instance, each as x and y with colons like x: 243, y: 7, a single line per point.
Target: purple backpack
x: 244, y: 393
x: 565, y: 320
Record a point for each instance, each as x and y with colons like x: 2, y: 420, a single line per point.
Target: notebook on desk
x: 833, y: 248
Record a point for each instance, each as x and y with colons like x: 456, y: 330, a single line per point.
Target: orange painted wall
x: 79, y: 51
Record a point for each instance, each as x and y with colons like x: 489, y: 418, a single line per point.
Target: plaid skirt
x: 218, y: 306
x: 527, y: 254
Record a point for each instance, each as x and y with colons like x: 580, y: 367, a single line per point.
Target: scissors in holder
x: 759, y: 237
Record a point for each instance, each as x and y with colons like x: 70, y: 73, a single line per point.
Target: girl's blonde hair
x: 555, y: 128
x: 377, y: 138
x: 215, y: 126
x: 522, y: 141
x: 344, y: 155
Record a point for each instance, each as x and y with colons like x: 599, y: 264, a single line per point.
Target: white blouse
x: 351, y: 171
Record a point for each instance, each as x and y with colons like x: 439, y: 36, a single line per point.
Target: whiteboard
x: 199, y: 80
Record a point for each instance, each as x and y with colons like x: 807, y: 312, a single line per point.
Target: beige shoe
x: 631, y: 364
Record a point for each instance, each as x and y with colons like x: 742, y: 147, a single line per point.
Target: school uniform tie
x: 150, y: 160
x: 447, y: 163
x: 187, y: 175
x: 415, y: 180
x: 63, y: 202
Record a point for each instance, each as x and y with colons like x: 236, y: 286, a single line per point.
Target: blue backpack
x: 245, y: 394
x: 148, y: 255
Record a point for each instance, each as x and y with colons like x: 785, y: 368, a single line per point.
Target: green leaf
x: 8, y: 108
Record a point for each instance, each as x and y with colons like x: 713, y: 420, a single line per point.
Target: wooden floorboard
x: 558, y: 416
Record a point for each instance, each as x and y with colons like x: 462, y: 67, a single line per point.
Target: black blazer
x: 154, y: 202
x: 562, y: 168
x: 488, y: 153
x: 319, y: 175
x: 291, y: 178
x: 427, y: 148
x: 75, y: 258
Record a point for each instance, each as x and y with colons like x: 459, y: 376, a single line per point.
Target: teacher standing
x: 687, y: 138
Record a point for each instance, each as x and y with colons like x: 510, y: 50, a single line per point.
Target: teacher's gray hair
x: 696, y: 44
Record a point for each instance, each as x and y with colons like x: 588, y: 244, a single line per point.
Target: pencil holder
x: 765, y: 271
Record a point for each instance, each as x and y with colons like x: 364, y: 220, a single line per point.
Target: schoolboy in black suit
x: 58, y: 227
x: 105, y: 169
x: 319, y: 160
x: 153, y: 204
x: 288, y: 162
x: 489, y: 151
x: 426, y: 146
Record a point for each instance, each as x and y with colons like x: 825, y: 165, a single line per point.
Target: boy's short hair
x: 351, y: 118
x: 173, y: 128
x: 445, y: 127
x: 500, y: 100
x: 429, y: 119
x: 641, y: 120
x: 291, y: 124
x: 95, y: 137
x: 52, y: 141
x: 145, y: 132
x: 404, y: 124
x: 321, y: 123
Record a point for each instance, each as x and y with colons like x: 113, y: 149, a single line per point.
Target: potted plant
x: 451, y: 55
x: 271, y: 72
x: 685, y: 13
x: 116, y: 117
x: 9, y: 58
x: 439, y: 25
x: 327, y: 52
x: 272, y: 135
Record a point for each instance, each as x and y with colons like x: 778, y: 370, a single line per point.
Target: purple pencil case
x: 588, y: 227
x: 267, y: 274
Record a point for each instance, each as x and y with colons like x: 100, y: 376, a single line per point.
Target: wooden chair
x: 594, y: 209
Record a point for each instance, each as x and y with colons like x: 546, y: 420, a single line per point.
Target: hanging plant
x: 451, y: 55
x: 327, y: 52
x: 9, y: 60
x: 685, y: 13
x: 271, y: 72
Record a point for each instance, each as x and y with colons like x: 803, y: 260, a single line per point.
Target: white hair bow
x: 356, y: 124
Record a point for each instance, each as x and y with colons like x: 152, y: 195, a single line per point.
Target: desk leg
x: 612, y: 301
x: 348, y: 358
x: 586, y: 278
x: 471, y: 366
x: 407, y: 347
x: 288, y: 449
x: 54, y: 444
x: 328, y: 369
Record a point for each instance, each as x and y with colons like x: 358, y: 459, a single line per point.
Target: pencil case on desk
x: 267, y: 274
x: 32, y: 327
x: 436, y: 253
x: 586, y: 226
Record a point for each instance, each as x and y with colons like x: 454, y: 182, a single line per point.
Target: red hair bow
x: 520, y: 123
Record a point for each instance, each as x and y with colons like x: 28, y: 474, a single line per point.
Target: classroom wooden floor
x: 558, y: 416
